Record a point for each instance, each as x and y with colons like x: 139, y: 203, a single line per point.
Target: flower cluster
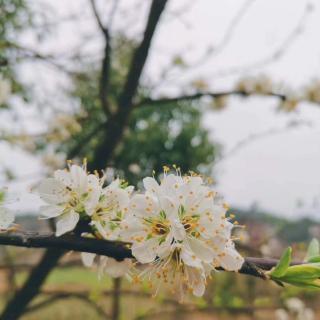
x: 181, y: 229
x: 73, y: 195
x: 69, y: 195
x: 178, y: 229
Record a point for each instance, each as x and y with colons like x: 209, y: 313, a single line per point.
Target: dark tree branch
x: 116, y: 250
x: 117, y: 122
x: 97, y: 16
x: 140, y: 55
x: 67, y: 242
x: 106, y: 61
x: 199, y: 95
x: 105, y: 74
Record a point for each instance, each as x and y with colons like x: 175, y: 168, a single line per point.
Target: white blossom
x: 70, y: 194
x: 107, y: 215
x: 109, y: 211
x: 180, y: 222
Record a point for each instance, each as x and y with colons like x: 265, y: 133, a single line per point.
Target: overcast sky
x: 275, y: 170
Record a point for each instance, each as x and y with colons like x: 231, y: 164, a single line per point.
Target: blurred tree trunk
x: 31, y: 287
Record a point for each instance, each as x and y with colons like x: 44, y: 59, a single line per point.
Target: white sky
x: 274, y: 171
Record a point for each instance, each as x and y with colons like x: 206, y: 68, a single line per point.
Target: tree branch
x: 106, y: 61
x: 117, y: 122
x: 141, y: 54
x: 97, y: 16
x: 105, y: 74
x: 116, y: 250
x: 199, y: 95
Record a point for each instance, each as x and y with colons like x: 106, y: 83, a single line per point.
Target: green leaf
x: 304, y: 275
x: 307, y: 284
x: 313, y: 250
x: 283, y: 265
x: 314, y: 259
x: 302, y: 272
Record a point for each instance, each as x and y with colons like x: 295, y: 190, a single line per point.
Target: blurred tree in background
x: 155, y: 136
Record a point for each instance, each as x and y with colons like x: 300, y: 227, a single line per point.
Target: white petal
x: 169, y: 206
x: 114, y: 184
x: 199, y: 287
x: 92, y: 201
x: 53, y: 191
x: 139, y: 204
x: 201, y: 250
x: 169, y: 181
x: 79, y: 179
x: 64, y: 176
x: 145, y: 252
x: 87, y: 258
x: 50, y: 211
x: 165, y: 248
x: 129, y: 189
x: 6, y: 218
x: 231, y: 260
x: 190, y: 259
x: 151, y: 185
x: 67, y: 222
x: 93, y: 181
x: 196, y: 280
x: 122, y: 199
x: 131, y: 226
x: 177, y: 229
x: 195, y: 182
